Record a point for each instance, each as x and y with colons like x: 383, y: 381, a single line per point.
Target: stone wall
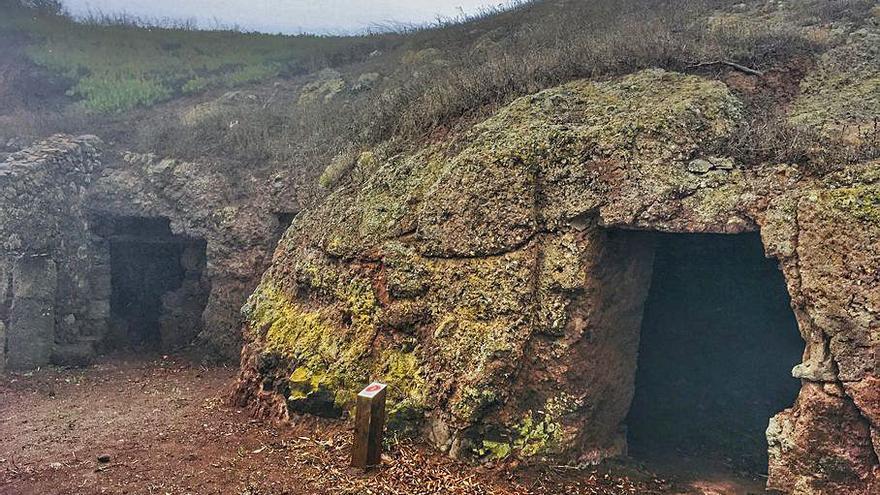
x: 54, y: 308
x: 57, y: 195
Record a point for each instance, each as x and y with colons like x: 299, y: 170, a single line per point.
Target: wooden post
x: 369, y: 425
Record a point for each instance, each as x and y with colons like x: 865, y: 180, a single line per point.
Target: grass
x: 116, y: 64
x: 490, y: 60
x: 432, y: 80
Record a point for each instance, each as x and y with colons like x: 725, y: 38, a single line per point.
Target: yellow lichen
x: 862, y: 202
x: 328, y: 355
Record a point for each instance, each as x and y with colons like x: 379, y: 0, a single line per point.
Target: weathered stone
x: 482, y: 269
x: 99, y: 309
x: 822, y: 445
x: 31, y: 334
x: 700, y: 166
x: 34, y: 278
x: 75, y: 354
x: 5, y: 279
x: 2, y: 346
x: 100, y: 283
x: 31, y: 331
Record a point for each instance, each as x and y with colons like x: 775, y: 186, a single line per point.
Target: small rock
x: 104, y: 458
x: 700, y: 166
x: 722, y: 163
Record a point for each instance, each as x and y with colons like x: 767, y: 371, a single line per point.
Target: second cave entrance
x: 158, y: 284
x: 717, y: 345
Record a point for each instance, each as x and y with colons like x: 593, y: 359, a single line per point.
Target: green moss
x: 328, y: 355
x: 651, y: 120
x: 562, y: 271
x: 862, y: 202
x: 468, y: 345
x: 322, y: 90
x: 354, y: 220
x: 643, y: 112
x: 535, y: 437
x: 718, y: 201
x: 540, y: 433
x: 408, y: 392
x: 473, y: 400
x: 338, y: 168
x: 360, y: 300
x: 480, y: 331
x: 495, y: 451
x: 333, y: 358
x: 406, y: 277
x: 303, y: 383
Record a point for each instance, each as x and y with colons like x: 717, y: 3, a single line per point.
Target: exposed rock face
x: 479, y: 278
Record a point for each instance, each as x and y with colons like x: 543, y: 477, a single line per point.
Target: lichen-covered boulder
x: 436, y: 271
x: 481, y: 278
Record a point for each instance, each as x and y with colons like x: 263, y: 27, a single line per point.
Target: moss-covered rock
x: 482, y: 277
x: 328, y: 84
x: 434, y: 269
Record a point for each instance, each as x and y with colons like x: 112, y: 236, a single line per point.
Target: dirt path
x: 167, y: 429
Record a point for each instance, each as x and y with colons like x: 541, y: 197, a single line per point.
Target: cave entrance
x: 158, y: 284
x: 718, y: 342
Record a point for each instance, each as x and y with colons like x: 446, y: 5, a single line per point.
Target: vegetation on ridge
x: 438, y: 79
x: 407, y: 87
x: 115, y: 64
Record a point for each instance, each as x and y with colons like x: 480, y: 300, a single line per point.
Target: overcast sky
x: 288, y: 16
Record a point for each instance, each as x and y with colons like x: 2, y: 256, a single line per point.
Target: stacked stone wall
x: 54, y: 290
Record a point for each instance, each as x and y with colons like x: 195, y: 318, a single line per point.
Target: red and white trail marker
x: 369, y: 426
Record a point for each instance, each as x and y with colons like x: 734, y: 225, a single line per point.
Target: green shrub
x: 107, y: 95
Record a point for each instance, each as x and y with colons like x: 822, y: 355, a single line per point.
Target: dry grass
x: 489, y: 60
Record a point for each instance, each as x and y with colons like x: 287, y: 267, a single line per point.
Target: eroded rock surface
x: 480, y: 279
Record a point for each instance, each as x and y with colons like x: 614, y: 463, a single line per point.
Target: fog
x: 288, y: 16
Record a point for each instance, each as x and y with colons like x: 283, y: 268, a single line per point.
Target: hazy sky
x: 288, y: 16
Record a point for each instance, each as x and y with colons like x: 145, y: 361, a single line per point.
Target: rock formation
x: 482, y: 276
x: 479, y: 277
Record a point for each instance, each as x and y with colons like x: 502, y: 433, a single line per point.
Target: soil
x: 163, y: 425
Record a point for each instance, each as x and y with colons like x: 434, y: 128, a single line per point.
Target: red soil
x: 168, y: 428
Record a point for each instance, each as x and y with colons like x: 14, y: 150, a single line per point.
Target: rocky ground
x: 165, y: 428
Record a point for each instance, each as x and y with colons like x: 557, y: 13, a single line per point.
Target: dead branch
x: 733, y: 65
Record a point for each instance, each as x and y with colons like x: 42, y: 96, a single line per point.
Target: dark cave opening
x: 718, y: 342
x: 158, y: 284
